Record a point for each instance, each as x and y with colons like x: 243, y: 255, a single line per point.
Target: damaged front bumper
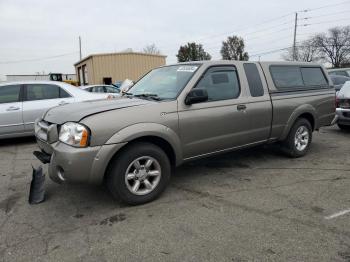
x: 70, y: 164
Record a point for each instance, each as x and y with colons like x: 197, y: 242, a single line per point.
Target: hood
x: 76, y: 111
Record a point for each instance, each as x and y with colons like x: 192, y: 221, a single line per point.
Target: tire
x: 135, y: 161
x: 344, y: 127
x: 295, y: 146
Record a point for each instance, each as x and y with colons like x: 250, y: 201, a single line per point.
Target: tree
x: 192, y: 52
x: 335, y: 46
x: 151, y: 49
x: 233, y: 49
x: 307, y: 51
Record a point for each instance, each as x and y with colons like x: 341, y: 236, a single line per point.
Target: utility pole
x: 80, y: 48
x: 295, y: 37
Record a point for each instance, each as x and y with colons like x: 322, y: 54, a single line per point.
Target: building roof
x: 117, y: 54
x: 43, y: 74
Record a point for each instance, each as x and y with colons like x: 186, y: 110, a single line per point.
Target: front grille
x: 46, y: 131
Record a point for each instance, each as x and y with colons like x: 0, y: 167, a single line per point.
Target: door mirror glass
x: 196, y: 95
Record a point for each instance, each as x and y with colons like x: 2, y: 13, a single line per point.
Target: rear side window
x: 42, y: 91
x: 111, y: 89
x: 9, y: 94
x: 63, y: 93
x: 286, y: 76
x: 293, y: 77
x: 221, y: 83
x: 313, y: 76
x: 254, y: 80
x: 98, y: 89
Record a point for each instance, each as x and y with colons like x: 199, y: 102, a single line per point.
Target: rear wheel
x: 299, y: 138
x: 139, y: 174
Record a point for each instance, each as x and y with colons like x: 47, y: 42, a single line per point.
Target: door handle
x: 13, y: 108
x: 241, y: 107
x: 62, y: 103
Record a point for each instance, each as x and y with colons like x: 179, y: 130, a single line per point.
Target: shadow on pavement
x: 17, y: 141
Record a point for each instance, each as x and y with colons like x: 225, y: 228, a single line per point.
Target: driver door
x: 219, y: 123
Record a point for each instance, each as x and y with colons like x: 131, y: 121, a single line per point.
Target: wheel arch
x: 305, y: 111
x: 154, y: 133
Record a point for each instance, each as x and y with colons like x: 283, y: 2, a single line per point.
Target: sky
x: 42, y: 36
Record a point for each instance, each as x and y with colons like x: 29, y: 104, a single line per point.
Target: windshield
x: 165, y: 82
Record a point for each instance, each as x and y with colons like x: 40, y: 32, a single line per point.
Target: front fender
x: 139, y: 130
x: 302, y: 109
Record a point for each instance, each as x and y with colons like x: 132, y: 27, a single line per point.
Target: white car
x: 21, y: 103
x: 343, y: 107
x: 109, y: 89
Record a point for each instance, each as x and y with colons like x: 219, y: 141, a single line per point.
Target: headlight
x: 74, y: 134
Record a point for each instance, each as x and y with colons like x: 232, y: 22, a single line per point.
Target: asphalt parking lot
x: 251, y: 205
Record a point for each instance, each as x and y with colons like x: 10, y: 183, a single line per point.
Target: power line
x: 248, y: 27
x: 286, y: 48
x: 268, y: 21
x: 270, y: 52
x: 325, y: 22
x: 36, y: 59
x: 317, y: 16
x: 243, y: 29
x: 218, y: 46
x: 325, y: 6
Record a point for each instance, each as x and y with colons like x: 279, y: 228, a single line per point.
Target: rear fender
x: 302, y: 109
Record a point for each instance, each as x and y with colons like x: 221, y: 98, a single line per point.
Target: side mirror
x: 196, y: 95
x: 126, y: 85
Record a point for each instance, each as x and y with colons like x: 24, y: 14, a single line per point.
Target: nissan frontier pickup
x: 182, y: 112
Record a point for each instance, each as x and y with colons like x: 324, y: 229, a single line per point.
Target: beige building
x: 113, y: 67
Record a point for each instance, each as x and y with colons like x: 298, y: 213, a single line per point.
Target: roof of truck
x: 215, y: 62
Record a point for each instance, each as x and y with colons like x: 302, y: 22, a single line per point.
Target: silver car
x: 110, y: 89
x: 23, y: 102
x: 343, y: 107
x: 339, y: 71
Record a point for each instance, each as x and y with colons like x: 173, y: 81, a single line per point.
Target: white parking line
x: 338, y: 214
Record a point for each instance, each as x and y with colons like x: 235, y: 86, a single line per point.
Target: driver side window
x: 221, y: 83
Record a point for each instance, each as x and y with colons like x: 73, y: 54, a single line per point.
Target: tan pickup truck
x: 181, y: 112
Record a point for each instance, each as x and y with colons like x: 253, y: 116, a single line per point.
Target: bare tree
x: 335, y: 46
x: 151, y: 49
x: 306, y: 51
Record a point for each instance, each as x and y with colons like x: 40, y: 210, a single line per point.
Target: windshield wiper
x: 125, y: 93
x: 152, y: 96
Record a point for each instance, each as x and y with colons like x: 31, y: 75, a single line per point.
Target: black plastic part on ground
x: 37, y: 186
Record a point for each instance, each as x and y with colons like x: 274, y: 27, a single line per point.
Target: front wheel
x: 299, y: 139
x: 139, y: 174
